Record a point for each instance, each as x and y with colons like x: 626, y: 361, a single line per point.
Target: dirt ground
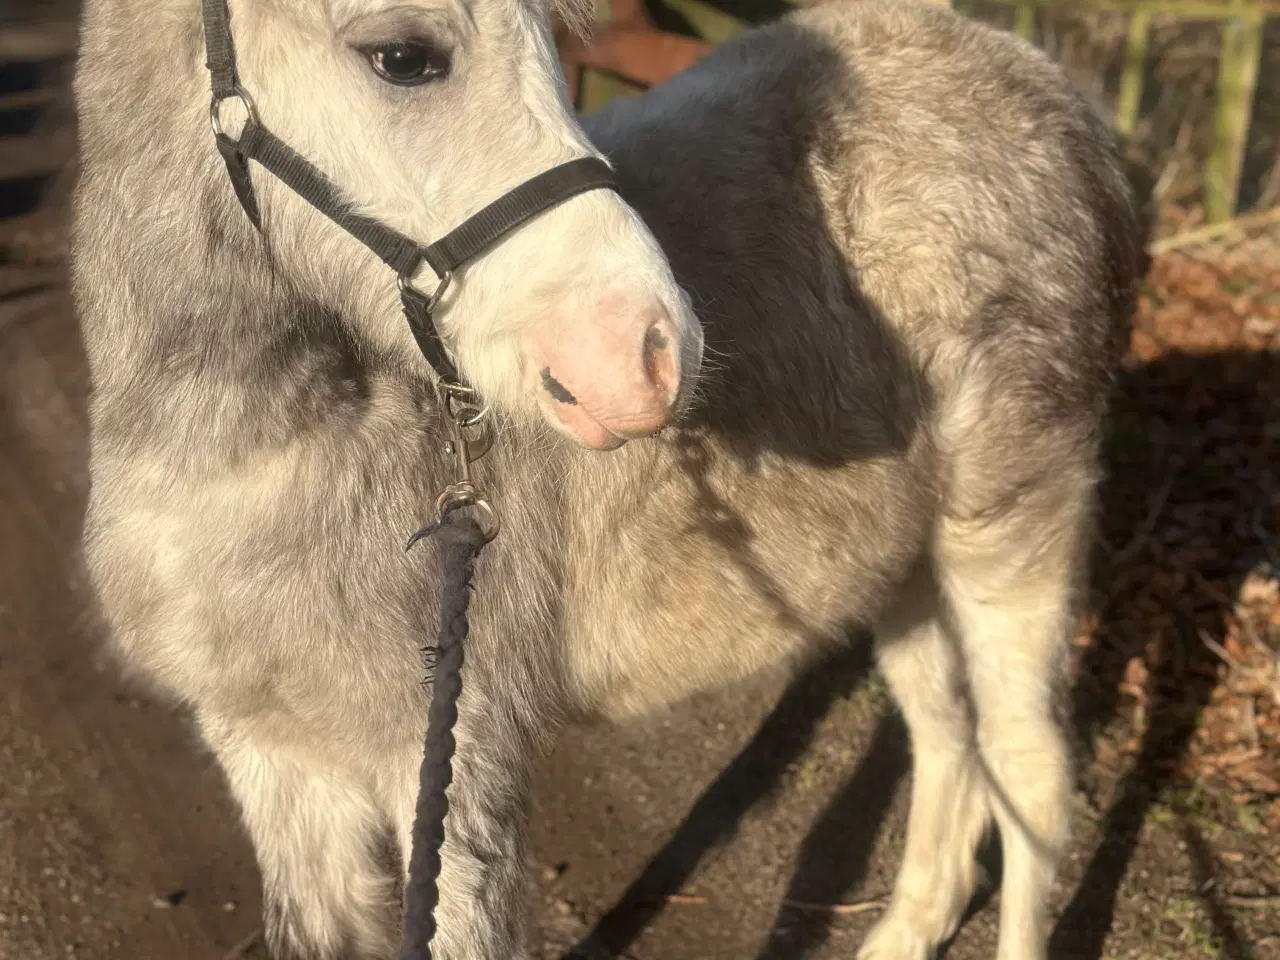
x: 762, y: 822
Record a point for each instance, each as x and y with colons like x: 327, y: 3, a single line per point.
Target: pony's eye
x: 407, y: 63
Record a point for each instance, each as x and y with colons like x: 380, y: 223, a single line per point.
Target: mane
x: 578, y: 16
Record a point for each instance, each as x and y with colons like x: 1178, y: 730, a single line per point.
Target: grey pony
x: 912, y: 249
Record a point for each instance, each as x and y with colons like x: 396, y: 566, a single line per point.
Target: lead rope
x: 461, y: 541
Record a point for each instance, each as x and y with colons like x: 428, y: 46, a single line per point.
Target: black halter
x: 404, y: 256
x: 462, y: 407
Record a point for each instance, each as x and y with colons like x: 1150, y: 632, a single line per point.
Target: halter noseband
x: 464, y: 243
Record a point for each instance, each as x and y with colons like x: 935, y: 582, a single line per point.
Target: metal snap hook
x: 465, y: 448
x: 458, y: 498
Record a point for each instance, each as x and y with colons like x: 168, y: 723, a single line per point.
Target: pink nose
x: 613, y: 376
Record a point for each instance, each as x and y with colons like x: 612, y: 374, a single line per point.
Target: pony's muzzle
x: 615, y: 375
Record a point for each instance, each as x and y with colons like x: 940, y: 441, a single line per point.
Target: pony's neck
x: 217, y: 358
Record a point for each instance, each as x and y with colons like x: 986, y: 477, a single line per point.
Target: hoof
x: 894, y: 938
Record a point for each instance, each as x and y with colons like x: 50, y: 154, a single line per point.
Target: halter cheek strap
x: 461, y: 245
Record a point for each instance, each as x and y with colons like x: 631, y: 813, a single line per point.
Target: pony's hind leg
x: 1008, y: 580
x: 949, y: 813
x: 315, y: 830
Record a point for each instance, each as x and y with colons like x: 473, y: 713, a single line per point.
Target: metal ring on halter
x: 433, y: 301
x: 237, y: 93
x: 454, y: 499
x: 455, y: 403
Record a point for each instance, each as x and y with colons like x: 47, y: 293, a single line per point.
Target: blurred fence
x: 1199, y: 125
x: 1239, y: 62
x: 37, y: 133
x: 1240, y: 26
x: 27, y: 11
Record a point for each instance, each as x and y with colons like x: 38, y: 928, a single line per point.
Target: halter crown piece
x: 464, y: 243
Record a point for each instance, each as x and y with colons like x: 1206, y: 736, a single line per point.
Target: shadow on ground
x: 1189, y: 466
x: 1188, y: 481
x: 839, y: 844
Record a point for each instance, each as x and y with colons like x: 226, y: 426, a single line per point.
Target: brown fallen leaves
x: 1182, y: 642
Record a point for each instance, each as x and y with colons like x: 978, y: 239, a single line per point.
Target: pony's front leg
x: 316, y: 829
x: 483, y: 884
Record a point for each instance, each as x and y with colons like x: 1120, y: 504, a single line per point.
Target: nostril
x: 659, y: 359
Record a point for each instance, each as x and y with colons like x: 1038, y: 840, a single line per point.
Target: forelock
x: 577, y: 15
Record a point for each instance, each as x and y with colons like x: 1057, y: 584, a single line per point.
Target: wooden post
x: 1025, y: 23
x: 1237, y: 83
x: 710, y: 23
x: 626, y: 55
x: 1129, y: 99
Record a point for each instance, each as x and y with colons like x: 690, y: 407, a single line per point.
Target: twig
x: 1165, y: 180
x: 1262, y: 646
x: 879, y: 903
x: 1236, y: 757
x: 1216, y: 647
x: 243, y: 947
x: 1210, y: 591
x: 674, y: 898
x: 1253, y: 903
x: 1094, y: 809
x: 1143, y: 533
x: 1250, y: 724
x: 1215, y: 230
